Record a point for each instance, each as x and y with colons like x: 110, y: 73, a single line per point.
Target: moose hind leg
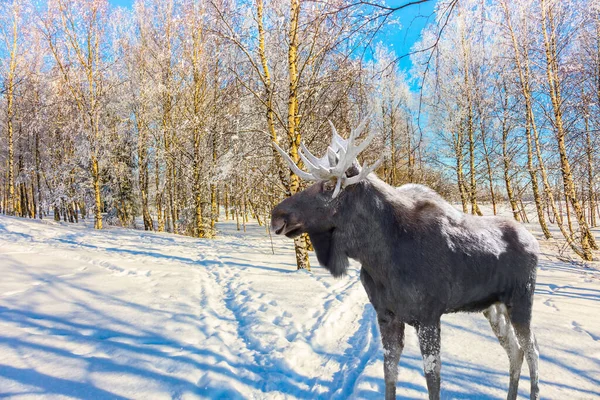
x: 392, y: 338
x: 520, y: 315
x: 529, y: 344
x: 429, y: 342
x: 497, y: 315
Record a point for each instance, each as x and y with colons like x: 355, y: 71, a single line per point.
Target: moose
x: 420, y: 257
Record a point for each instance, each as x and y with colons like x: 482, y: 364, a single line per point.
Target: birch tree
x: 11, y: 39
x: 74, y: 32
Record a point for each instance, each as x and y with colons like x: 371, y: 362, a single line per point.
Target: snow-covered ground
x: 127, y: 314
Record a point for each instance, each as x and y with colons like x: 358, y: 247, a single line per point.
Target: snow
x: 129, y: 314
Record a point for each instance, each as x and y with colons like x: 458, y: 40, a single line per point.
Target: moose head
x: 319, y: 209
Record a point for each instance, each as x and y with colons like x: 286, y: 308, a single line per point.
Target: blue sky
x: 400, y: 38
x: 412, y: 20
x: 122, y: 3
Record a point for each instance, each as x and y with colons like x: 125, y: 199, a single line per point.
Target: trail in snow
x: 130, y: 314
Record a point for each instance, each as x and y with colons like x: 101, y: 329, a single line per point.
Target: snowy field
x: 121, y: 313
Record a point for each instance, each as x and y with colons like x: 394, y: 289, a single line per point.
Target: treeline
x: 167, y: 111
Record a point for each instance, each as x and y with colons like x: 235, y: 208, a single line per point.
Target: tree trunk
x: 506, y: 163
x: 197, y: 188
x: 293, y: 120
x: 214, y: 210
x: 142, y: 149
x: 244, y: 212
x: 394, y: 178
x: 237, y: 213
x: 97, y: 200
x: 269, y: 95
x: 226, y: 203
x: 589, y: 152
x: 10, y: 90
x: 470, y: 129
x: 473, y: 184
x: 64, y: 211
x: 169, y: 181
x: 74, y: 207
x: 523, y: 212
x: 24, y: 200
x: 158, y: 196
x: 522, y: 67
x: 458, y: 153
x: 587, y: 240
x: 410, y: 153
x: 32, y: 204
x: 534, y: 183
x: 83, y: 210
x: 568, y: 214
x: 490, y: 173
x: 38, y: 175
x: 200, y: 229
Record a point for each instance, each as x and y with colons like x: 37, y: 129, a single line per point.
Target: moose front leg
x: 392, y: 337
x: 429, y: 342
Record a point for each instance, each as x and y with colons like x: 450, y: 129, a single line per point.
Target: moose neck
x: 374, y: 223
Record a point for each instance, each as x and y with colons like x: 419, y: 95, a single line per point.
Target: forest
x: 167, y: 112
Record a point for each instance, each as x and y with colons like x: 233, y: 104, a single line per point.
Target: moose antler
x: 340, y: 156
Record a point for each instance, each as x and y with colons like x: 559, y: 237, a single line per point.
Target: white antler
x: 340, y: 156
x: 349, y: 151
x: 303, y: 175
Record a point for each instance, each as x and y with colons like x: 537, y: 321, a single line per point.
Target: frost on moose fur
x: 420, y: 258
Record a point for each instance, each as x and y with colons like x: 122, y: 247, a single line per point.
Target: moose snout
x: 285, y: 223
x: 279, y: 220
x: 278, y: 225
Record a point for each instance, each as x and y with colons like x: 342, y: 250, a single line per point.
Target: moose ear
x: 353, y: 170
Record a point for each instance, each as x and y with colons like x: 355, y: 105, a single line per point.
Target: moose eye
x: 329, y: 185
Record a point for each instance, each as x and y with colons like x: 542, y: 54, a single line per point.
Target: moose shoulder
x: 420, y: 258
